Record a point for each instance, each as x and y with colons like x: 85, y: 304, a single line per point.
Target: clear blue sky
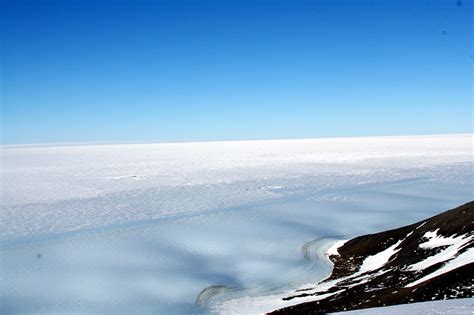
x: 86, y: 71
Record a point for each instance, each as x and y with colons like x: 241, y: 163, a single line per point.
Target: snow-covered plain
x: 144, y: 228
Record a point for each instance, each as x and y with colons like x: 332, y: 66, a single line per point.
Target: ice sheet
x: 144, y: 228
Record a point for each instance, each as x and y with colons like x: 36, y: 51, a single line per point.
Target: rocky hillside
x: 429, y: 260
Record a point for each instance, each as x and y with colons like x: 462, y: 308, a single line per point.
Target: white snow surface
x: 435, y: 240
x: 333, y: 250
x: 59, y: 189
x: 379, y: 260
x: 144, y: 228
x: 444, y: 307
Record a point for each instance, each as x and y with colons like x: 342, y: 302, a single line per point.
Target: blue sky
x: 98, y: 71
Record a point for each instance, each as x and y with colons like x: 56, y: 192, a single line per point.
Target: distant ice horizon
x: 132, y: 142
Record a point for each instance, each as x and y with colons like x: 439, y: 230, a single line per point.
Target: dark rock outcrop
x: 432, y: 260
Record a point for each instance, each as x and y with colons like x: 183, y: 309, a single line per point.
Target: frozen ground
x: 147, y: 227
x: 448, y: 307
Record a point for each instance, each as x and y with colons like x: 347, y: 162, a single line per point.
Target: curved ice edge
x: 211, y: 291
x: 314, y: 252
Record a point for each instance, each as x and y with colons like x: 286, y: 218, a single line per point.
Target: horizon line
x: 119, y: 142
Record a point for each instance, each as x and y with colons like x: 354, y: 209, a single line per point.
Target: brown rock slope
x: 434, y: 260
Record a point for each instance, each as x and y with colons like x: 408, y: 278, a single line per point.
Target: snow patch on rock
x: 455, y: 245
x: 333, y: 250
x: 465, y: 258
